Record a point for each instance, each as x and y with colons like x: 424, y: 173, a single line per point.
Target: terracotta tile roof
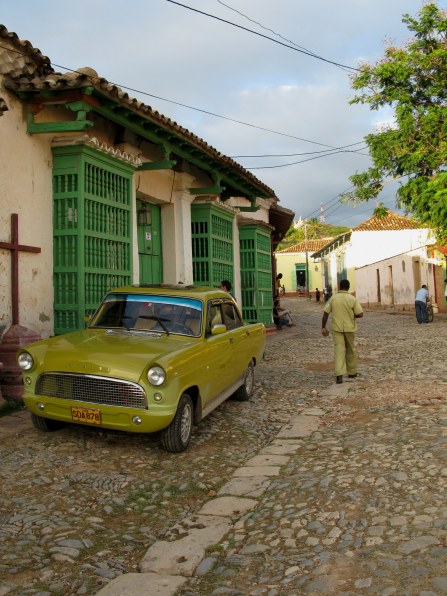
x: 391, y: 221
x: 441, y: 249
x: 3, y: 106
x: 306, y: 246
x: 26, y: 58
x: 46, y: 79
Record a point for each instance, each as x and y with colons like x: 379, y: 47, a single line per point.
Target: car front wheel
x: 245, y: 391
x: 45, y: 424
x: 177, y: 435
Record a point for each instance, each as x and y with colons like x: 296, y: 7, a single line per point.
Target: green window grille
x: 92, y: 228
x: 256, y: 274
x: 212, y: 244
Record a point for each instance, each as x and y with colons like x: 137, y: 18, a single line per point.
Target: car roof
x: 201, y: 292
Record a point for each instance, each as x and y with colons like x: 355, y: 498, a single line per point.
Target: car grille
x: 92, y: 389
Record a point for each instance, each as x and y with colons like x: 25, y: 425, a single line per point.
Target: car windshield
x: 139, y: 312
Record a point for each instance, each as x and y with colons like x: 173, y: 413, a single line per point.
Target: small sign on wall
x: 148, y: 235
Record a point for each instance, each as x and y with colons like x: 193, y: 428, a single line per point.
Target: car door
x: 239, y: 340
x: 218, y: 354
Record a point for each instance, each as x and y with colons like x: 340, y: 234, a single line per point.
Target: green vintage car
x: 155, y: 358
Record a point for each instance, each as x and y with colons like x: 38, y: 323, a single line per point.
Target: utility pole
x: 307, y: 262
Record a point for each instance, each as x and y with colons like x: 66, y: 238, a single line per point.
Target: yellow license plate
x: 86, y: 415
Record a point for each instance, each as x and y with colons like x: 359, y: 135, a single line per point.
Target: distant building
x: 299, y: 270
x: 386, y: 259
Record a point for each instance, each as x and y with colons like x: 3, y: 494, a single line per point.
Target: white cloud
x: 168, y: 51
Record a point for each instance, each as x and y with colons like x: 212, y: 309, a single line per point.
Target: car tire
x: 45, y: 424
x: 245, y: 391
x: 177, y: 435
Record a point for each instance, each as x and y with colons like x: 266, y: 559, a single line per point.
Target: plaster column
x: 135, y: 255
x: 176, y: 237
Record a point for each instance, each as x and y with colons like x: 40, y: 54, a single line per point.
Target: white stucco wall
x: 399, y: 278
x: 26, y: 189
x: 373, y: 246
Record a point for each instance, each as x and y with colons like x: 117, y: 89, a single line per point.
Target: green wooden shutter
x: 212, y: 244
x: 256, y: 274
x: 92, y: 227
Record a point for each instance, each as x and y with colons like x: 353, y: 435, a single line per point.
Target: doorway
x: 379, y: 297
x: 300, y: 273
x: 149, y: 243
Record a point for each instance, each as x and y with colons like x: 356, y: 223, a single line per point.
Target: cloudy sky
x: 288, y: 105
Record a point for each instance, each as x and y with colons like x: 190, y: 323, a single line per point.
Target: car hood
x: 123, y: 354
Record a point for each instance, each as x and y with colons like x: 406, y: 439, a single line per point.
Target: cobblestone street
x: 358, y: 506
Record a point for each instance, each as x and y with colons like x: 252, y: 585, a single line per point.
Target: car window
x: 231, y: 317
x: 214, y: 317
x: 137, y: 312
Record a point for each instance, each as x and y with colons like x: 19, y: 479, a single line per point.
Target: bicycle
x: 429, y: 312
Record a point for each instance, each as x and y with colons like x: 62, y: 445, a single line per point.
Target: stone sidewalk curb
x: 168, y: 564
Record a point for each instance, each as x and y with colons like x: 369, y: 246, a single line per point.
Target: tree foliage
x: 311, y: 229
x: 413, y: 81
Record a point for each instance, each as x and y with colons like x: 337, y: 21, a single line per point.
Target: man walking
x: 345, y: 309
x: 420, y: 304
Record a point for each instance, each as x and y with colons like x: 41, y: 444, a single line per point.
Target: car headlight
x: 25, y: 361
x: 156, y: 375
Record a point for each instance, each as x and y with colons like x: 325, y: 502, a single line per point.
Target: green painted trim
x: 45, y: 127
x: 207, y: 190
x: 48, y: 127
x: 249, y: 209
x: 94, y: 154
x: 181, y: 148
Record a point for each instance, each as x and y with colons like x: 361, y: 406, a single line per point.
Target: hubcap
x: 249, y: 380
x: 186, y: 423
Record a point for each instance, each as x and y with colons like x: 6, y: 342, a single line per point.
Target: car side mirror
x: 218, y: 329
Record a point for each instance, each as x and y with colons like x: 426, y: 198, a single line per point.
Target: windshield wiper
x: 158, y: 319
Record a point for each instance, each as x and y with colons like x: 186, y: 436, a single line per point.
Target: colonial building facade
x: 99, y: 190
x: 300, y: 272
x: 386, y: 260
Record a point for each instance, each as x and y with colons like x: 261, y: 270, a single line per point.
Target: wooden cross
x: 15, y: 248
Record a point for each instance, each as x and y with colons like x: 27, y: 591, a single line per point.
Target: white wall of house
x: 26, y: 189
x: 365, y: 247
x: 371, y: 246
x: 393, y: 282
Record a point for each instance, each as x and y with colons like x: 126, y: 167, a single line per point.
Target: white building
x: 386, y: 259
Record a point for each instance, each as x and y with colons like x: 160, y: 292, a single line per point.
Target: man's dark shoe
x: 339, y: 379
x: 352, y: 376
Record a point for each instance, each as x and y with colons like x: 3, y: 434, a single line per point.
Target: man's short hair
x: 226, y: 284
x: 344, y: 284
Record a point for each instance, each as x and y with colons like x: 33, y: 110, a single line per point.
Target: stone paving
x: 310, y: 488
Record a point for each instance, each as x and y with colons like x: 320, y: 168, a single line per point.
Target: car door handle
x: 231, y: 340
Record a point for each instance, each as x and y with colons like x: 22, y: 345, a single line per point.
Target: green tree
x: 312, y: 229
x: 413, y: 81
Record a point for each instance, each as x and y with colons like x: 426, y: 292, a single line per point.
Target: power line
x: 366, y: 210
x: 264, y: 36
x: 296, y: 154
x: 329, y: 205
x: 293, y: 163
x: 188, y: 106
x: 274, y: 32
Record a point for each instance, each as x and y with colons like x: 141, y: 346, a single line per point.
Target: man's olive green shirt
x: 343, y: 306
